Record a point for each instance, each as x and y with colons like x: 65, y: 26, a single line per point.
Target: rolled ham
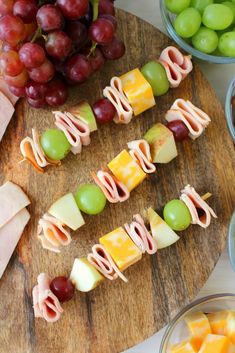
x: 140, y: 152
x: 53, y: 233
x: 6, y: 112
x: 139, y: 234
x: 76, y: 131
x: 114, y: 93
x: 177, y: 65
x: 114, y: 190
x: 194, y: 202
x: 104, y: 263
x: 45, y: 304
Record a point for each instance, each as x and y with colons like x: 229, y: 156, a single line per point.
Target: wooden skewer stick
x: 206, y: 196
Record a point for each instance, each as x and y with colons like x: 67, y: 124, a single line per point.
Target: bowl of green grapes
x: 203, y: 28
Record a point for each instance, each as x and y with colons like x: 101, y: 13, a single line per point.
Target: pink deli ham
x: 140, y: 152
x: 45, y: 304
x: 114, y: 93
x: 76, y: 131
x: 194, y: 118
x: 104, y: 263
x: 194, y: 202
x: 7, y: 93
x: 6, y: 112
x: 177, y: 65
x: 113, y: 189
x: 139, y: 234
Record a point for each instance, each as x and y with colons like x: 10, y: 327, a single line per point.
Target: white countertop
x: 223, y: 278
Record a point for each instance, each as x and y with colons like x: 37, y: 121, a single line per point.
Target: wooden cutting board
x: 116, y: 315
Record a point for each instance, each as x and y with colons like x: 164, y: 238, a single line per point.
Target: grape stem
x: 37, y: 34
x: 95, y: 6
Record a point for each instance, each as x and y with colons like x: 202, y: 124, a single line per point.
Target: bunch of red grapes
x: 48, y: 46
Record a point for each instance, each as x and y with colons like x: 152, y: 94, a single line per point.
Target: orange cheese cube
x: 121, y: 248
x: 218, y: 322
x: 138, y: 91
x: 230, y: 326
x: 198, y: 325
x: 215, y: 344
x: 126, y: 170
x: 183, y: 347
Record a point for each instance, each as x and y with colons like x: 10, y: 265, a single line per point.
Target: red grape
x: 36, y: 103
x: 10, y: 63
x: 106, y: 7
x: 101, y: 31
x: 12, y: 29
x: 50, y: 18
x: 73, y: 9
x: 17, y: 91
x: 17, y: 81
x: 58, y: 44
x: 32, y: 55
x: 78, y: 68
x: 26, y: 10
x: 6, y: 7
x: 111, y: 18
x: 96, y: 60
x: 88, y: 18
x: 104, y: 111
x: 77, y: 32
x: 63, y: 288
x: 43, y: 73
x: 114, y: 50
x: 179, y: 129
x: 30, y: 29
x: 35, y: 90
x: 57, y: 93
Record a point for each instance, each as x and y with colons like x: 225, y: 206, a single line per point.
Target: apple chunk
x: 84, y: 112
x: 84, y: 276
x: 161, y: 232
x: 162, y: 143
x: 67, y: 211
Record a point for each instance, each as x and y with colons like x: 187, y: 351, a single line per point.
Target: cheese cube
x: 198, y: 325
x: 215, y: 344
x: 183, y: 347
x: 230, y: 326
x: 138, y: 91
x: 218, y: 322
x: 121, y: 248
x: 126, y: 170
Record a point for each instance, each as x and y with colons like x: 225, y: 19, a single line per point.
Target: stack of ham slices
x: 13, y: 219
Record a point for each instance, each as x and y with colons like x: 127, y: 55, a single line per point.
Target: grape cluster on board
x: 48, y: 45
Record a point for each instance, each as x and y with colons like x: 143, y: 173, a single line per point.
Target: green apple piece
x: 161, y: 232
x: 162, y: 143
x: 84, y: 112
x: 84, y: 276
x: 67, y: 211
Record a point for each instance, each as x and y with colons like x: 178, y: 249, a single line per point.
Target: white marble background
x: 223, y: 278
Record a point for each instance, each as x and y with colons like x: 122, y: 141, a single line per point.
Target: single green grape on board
x: 55, y: 144
x: 90, y: 199
x: 155, y: 74
x: 177, y: 215
x: 188, y: 22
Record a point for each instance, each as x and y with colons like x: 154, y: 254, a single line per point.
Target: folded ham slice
x: 53, y: 233
x: 6, y: 112
x: 45, y: 304
x: 177, y: 65
x: 104, y: 263
x: 113, y: 189
x: 114, y: 93
x: 7, y: 93
x: 76, y: 131
x: 140, y: 152
x: 194, y: 118
x: 195, y: 203
x: 139, y: 234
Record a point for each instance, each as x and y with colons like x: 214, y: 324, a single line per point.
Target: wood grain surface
x: 116, y: 315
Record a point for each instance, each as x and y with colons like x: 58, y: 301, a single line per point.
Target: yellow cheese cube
x: 122, y: 249
x: 215, y: 344
x: 183, y: 347
x: 198, y: 325
x: 138, y: 91
x: 127, y: 170
x: 218, y: 322
x: 230, y: 326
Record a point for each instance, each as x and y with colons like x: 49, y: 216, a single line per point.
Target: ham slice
x: 139, y: 234
x: 7, y: 93
x: 104, y: 263
x: 194, y: 202
x: 10, y: 234
x: 140, y: 152
x: 45, y: 304
x: 114, y: 93
x: 6, y: 112
x: 113, y: 189
x: 76, y: 131
x: 194, y: 118
x: 53, y: 233
x: 177, y: 65
x: 12, y: 201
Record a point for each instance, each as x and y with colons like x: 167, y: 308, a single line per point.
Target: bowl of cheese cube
x: 205, y: 326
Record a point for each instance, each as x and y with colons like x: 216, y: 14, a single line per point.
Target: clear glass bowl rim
x: 231, y: 241
x: 228, y: 108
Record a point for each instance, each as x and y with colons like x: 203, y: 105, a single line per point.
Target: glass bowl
x: 228, y: 108
x: 168, y: 19
x: 177, y: 330
x: 231, y: 241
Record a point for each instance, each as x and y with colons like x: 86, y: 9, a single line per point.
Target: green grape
x: 155, y: 74
x: 206, y: 40
x: 55, y: 144
x: 227, y: 44
x: 188, y: 22
x: 177, y: 6
x: 231, y: 6
x: 177, y: 215
x: 200, y: 5
x: 217, y: 17
x: 90, y: 199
